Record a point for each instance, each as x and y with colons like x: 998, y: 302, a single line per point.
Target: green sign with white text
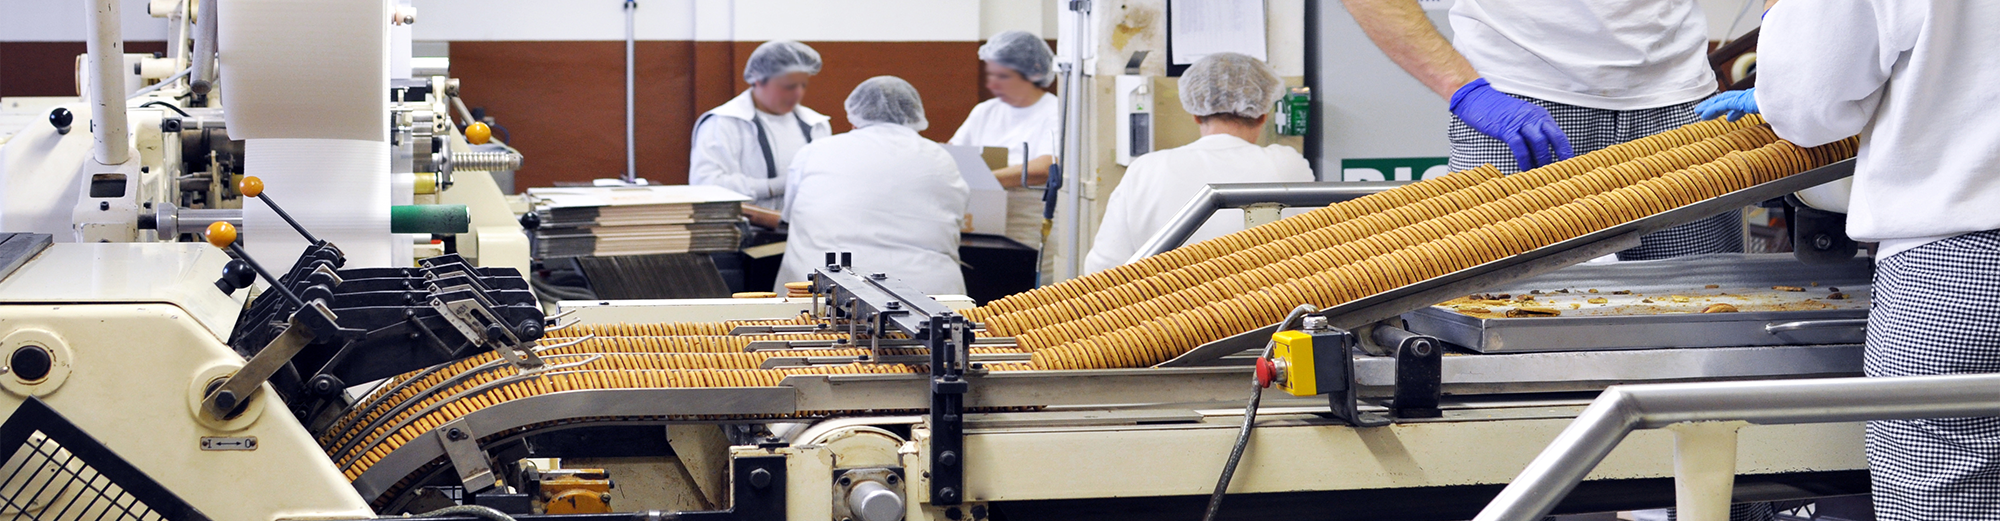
x: 1393, y: 168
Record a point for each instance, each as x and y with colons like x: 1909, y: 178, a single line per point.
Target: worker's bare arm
x: 1401, y: 30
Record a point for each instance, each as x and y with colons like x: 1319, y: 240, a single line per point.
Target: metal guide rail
x: 875, y: 305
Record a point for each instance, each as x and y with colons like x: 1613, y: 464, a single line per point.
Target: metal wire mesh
x: 45, y: 482
x: 54, y: 471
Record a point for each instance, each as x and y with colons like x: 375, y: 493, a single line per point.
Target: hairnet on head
x: 886, y: 99
x: 1024, y: 52
x: 779, y: 57
x: 1230, y: 83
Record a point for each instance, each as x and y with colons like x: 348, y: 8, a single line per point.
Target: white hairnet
x: 779, y: 57
x: 1024, y: 52
x: 1230, y: 83
x: 886, y: 99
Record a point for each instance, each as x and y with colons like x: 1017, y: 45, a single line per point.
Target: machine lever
x: 254, y: 187
x: 312, y: 320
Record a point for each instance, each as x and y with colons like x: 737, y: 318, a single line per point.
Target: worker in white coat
x: 1915, y: 79
x: 747, y: 144
x: 1230, y: 96
x: 1022, y: 118
x: 882, y: 192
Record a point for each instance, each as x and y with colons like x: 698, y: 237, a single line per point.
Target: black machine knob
x: 235, y: 275
x: 531, y: 221
x: 61, y: 118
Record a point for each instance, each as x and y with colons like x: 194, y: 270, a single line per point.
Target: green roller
x: 430, y: 218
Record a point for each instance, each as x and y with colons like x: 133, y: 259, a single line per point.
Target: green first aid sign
x: 1393, y: 168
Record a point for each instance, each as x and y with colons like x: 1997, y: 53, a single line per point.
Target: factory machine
x: 166, y: 165
x: 1410, y: 384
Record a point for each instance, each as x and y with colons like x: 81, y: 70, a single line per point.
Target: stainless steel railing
x: 1240, y: 195
x: 1705, y: 417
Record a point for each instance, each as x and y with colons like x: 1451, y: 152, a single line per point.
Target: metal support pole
x: 631, y: 38
x: 111, y: 144
x: 1704, y: 469
x: 203, y: 60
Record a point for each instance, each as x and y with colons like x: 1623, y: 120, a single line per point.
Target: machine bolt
x: 104, y: 206
x: 894, y: 480
x: 1421, y: 347
x: 1315, y: 323
x: 225, y: 400
x: 495, y: 332
x: 879, y: 276
x: 948, y: 458
x: 170, y: 125
x: 454, y: 434
x: 978, y: 511
x: 895, y: 304
x: 1822, y: 242
x: 760, y: 478
x: 606, y: 498
x: 950, y: 495
x: 846, y: 481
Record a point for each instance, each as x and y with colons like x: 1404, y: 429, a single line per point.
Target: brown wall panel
x: 49, y: 68
x: 563, y: 102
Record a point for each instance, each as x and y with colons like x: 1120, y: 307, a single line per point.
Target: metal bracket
x: 225, y: 399
x: 462, y: 446
x: 476, y: 320
x: 1419, y: 372
x: 1344, y: 403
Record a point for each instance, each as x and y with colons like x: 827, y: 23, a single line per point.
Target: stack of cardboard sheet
x: 636, y: 220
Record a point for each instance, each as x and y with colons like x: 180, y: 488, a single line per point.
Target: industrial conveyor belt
x: 1367, y: 259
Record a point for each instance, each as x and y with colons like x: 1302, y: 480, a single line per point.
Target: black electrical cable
x: 1249, y: 418
x: 169, y: 106
x: 474, y: 511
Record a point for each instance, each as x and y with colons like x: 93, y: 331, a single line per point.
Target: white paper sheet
x: 1198, y: 28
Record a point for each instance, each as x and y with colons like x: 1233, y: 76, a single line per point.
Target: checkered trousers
x: 1590, y: 130
x: 1936, y: 311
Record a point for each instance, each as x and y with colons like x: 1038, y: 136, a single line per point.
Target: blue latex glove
x: 1527, y: 128
x: 1734, y: 103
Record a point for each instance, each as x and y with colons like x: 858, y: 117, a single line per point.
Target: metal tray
x: 1677, y: 291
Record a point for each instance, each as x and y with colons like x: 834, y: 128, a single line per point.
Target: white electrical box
x: 1135, y: 117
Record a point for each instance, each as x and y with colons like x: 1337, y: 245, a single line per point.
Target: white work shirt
x: 884, y: 193
x: 1915, y: 78
x: 1601, y: 54
x: 726, y: 152
x: 1158, y: 185
x: 994, y: 123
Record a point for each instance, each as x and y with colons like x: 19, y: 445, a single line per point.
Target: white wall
x: 1723, y: 12
x: 62, y: 21
x: 544, y: 20
x: 712, y: 20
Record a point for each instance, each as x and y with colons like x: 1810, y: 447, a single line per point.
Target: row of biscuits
x: 1532, y: 191
x: 673, y: 328
x: 1193, y: 253
x: 1007, y: 318
x: 385, y: 442
x: 1164, y: 337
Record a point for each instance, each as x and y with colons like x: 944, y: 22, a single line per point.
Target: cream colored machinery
x: 171, y: 167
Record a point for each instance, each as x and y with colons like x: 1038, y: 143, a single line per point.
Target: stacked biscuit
x: 673, y: 328
x: 608, y: 372
x: 1205, y: 250
x: 1359, y: 239
x: 1638, y: 185
x: 602, y: 362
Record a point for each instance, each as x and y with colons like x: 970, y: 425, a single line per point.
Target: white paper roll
x: 337, y: 188
x: 305, y: 68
